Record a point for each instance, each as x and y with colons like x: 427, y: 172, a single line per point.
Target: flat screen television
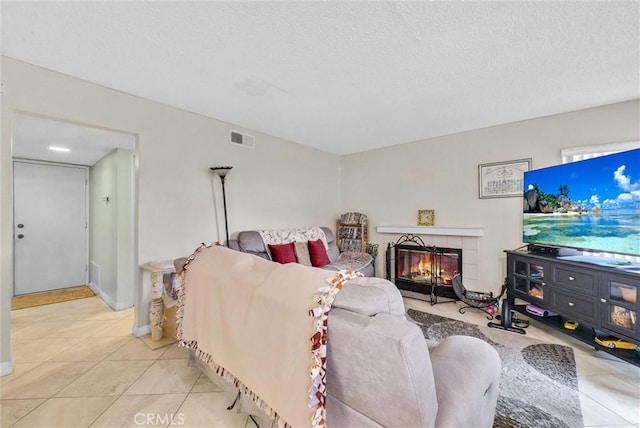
x: 592, y: 204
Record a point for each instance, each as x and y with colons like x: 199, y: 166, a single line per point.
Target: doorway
x: 50, y: 226
x: 49, y: 155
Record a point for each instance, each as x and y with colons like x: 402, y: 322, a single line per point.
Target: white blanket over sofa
x: 284, y: 236
x: 349, y: 260
x: 249, y: 319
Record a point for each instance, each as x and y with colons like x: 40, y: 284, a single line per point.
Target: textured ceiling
x: 343, y: 76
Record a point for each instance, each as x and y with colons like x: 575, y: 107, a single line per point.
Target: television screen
x: 592, y: 204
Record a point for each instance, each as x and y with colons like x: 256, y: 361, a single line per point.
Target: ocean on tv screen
x: 592, y: 204
x: 616, y: 232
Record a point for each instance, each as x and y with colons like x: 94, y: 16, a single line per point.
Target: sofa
x: 381, y: 371
x: 251, y: 242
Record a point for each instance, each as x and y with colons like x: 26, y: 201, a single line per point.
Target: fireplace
x: 427, y: 270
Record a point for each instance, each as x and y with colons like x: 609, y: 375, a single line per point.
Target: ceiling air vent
x: 243, y: 140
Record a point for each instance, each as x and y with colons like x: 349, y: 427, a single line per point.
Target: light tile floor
x: 77, y: 365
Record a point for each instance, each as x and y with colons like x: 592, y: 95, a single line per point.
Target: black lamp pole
x: 222, y: 171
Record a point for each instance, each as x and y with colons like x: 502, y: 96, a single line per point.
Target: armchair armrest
x: 355, y: 260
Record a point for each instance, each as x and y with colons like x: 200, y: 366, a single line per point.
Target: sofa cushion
x: 302, y: 253
x: 370, y: 296
x: 318, y: 253
x: 283, y: 253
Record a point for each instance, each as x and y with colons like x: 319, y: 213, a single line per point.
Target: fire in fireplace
x: 427, y: 265
x: 426, y: 270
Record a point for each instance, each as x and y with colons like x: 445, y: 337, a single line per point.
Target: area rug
x: 53, y: 296
x: 539, y: 383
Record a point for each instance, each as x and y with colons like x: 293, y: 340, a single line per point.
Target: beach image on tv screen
x: 592, y: 204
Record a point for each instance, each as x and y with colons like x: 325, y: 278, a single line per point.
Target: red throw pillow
x: 318, y: 253
x: 285, y: 253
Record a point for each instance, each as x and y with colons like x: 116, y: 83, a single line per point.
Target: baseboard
x: 6, y: 368
x: 142, y: 331
x: 113, y: 305
x: 121, y: 306
x: 106, y: 299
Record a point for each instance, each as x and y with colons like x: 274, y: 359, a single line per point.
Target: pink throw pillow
x: 284, y: 253
x: 318, y: 253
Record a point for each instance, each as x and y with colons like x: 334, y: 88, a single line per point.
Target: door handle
x: 20, y: 226
x: 20, y: 236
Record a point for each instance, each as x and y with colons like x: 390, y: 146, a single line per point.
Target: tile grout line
x: 132, y: 383
x: 29, y: 412
x: 188, y: 394
x: 49, y: 360
x: 601, y: 403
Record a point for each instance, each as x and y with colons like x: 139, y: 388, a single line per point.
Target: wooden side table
x: 153, y: 276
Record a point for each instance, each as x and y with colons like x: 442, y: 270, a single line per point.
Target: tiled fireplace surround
x: 468, y: 239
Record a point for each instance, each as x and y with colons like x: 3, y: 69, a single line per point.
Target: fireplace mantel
x: 431, y: 230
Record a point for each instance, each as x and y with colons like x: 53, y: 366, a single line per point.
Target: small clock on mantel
x: 426, y: 217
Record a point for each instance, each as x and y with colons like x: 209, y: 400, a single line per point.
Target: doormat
x: 49, y: 297
x: 539, y: 382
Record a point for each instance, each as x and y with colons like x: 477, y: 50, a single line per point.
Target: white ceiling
x: 343, y: 76
x: 32, y: 137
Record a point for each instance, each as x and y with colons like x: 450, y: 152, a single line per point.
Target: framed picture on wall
x: 502, y: 179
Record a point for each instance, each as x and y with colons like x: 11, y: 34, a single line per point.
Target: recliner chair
x: 381, y: 371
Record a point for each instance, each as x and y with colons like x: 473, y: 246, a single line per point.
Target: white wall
x: 277, y: 184
x: 392, y: 184
x: 127, y: 271
x: 103, y: 225
x: 110, y: 241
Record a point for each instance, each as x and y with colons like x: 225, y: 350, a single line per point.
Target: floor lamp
x: 222, y: 171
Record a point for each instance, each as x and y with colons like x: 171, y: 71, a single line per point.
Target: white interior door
x: 50, y: 226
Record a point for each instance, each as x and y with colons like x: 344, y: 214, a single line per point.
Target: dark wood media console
x: 602, y: 299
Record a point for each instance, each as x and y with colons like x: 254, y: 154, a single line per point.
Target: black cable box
x: 552, y: 251
x: 539, y: 249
